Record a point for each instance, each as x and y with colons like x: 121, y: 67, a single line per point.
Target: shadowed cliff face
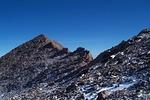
x: 42, y: 69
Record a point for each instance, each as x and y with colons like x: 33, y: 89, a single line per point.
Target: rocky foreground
x: 42, y: 69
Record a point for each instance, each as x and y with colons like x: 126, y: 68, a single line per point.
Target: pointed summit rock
x: 48, y: 43
x: 43, y: 41
x: 54, y: 44
x: 82, y: 51
x: 39, y: 63
x: 36, y: 42
x: 40, y: 37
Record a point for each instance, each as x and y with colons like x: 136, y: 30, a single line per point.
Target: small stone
x: 102, y: 95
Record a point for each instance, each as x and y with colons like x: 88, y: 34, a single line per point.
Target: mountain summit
x: 42, y: 69
x: 40, y: 61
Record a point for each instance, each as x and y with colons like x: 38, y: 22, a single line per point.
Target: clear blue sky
x: 94, y: 24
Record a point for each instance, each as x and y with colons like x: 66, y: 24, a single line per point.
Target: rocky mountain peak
x: 41, y: 37
x: 54, y: 44
x: 82, y: 51
x: 42, y: 40
x: 48, y: 43
x: 40, y: 61
x: 39, y: 40
x: 44, y: 69
x: 145, y: 33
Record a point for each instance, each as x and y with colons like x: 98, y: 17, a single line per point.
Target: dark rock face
x: 42, y: 69
x: 26, y: 62
x: 40, y: 61
x: 120, y: 73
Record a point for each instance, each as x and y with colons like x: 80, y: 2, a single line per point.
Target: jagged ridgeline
x: 119, y: 73
x: 42, y: 69
x: 40, y: 61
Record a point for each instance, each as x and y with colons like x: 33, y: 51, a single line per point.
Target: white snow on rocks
x: 144, y: 36
x: 113, y: 56
x: 1, y: 96
x: 122, y: 53
x: 95, y: 67
x: 92, y: 95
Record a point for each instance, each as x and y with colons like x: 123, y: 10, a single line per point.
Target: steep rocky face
x: 122, y: 72
x: 26, y: 61
x: 39, y: 61
x: 42, y: 69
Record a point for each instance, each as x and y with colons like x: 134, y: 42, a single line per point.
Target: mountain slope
x: 121, y: 72
x: 42, y: 69
x: 39, y: 61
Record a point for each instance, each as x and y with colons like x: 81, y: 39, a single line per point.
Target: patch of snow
x: 141, y: 63
x: 65, y: 74
x: 140, y: 93
x: 144, y: 36
x: 1, y: 96
x: 144, y: 96
x: 99, y: 73
x: 113, y: 56
x: 91, y: 79
x: 95, y: 67
x: 117, y: 87
x: 148, y: 52
x: 92, y: 95
x: 15, y: 97
x: 40, y: 89
x: 141, y: 36
x: 138, y: 40
x: 134, y: 61
x: 115, y: 63
x: 88, y: 95
x: 83, y: 75
x: 114, y: 76
x: 129, y: 58
x: 128, y: 63
x: 122, y: 53
x: 106, y: 63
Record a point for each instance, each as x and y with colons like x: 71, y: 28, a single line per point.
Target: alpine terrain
x: 42, y: 69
